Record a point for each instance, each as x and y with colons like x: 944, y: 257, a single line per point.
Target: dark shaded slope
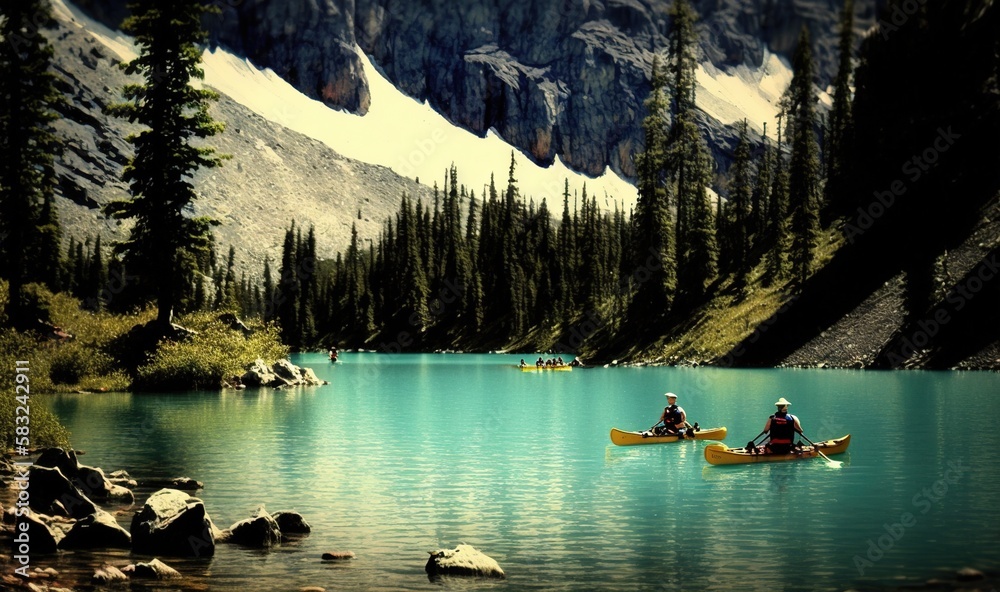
x: 928, y: 116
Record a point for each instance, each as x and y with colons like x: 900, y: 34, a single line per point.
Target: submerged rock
x: 338, y: 555
x: 291, y: 523
x: 463, y: 560
x: 108, y: 574
x: 100, y: 530
x: 259, y: 531
x: 154, y: 570
x: 173, y: 523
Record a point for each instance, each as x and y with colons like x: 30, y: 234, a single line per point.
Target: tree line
x: 470, y: 270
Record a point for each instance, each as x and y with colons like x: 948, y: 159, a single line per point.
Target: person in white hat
x: 674, y: 419
x: 781, y: 427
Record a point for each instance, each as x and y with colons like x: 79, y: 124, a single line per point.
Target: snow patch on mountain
x: 398, y: 132
x: 742, y: 92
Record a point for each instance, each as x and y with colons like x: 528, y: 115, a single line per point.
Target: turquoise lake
x: 403, y: 454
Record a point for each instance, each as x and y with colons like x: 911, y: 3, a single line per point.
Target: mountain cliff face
x: 553, y: 77
x: 274, y: 176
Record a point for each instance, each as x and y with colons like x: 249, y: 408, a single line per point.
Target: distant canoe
x: 563, y: 368
x: 623, y: 438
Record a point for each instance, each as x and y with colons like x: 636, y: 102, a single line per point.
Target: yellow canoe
x: 720, y: 454
x: 623, y: 438
x: 563, y: 368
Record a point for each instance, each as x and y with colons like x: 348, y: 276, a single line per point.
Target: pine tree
x: 804, y: 167
x: 778, y: 238
x: 761, y: 195
x: 654, y: 229
x: 268, y: 305
x: 689, y: 162
x: 287, y: 292
x: 159, y: 175
x: 47, y: 255
x: 28, y: 100
x: 741, y: 193
x: 840, y: 142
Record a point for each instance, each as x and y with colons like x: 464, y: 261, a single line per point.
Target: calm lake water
x: 402, y: 454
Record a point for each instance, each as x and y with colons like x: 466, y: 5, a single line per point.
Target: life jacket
x: 671, y: 415
x: 782, y: 428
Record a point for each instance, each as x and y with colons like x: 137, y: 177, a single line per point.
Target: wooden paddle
x: 836, y: 463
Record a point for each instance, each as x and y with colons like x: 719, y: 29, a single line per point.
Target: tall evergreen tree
x: 28, y: 97
x: 778, y: 239
x: 762, y: 194
x: 159, y: 176
x: 653, y: 235
x: 840, y: 139
x: 804, y: 167
x: 689, y: 161
x: 741, y: 193
x: 48, y: 245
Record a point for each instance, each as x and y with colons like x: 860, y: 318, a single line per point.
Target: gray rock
x: 153, y: 570
x: 52, y: 493
x: 97, y: 531
x: 259, y: 531
x: 258, y: 374
x: 42, y: 539
x: 285, y: 369
x: 338, y: 555
x: 173, y: 523
x: 108, y: 574
x: 463, y: 560
x: 968, y: 574
x: 57, y: 458
x: 291, y: 523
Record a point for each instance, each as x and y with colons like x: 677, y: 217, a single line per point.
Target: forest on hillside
x: 887, y: 181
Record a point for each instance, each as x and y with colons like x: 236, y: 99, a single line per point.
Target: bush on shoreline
x: 88, y: 362
x: 214, y: 354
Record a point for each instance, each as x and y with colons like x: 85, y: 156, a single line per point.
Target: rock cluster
x: 170, y: 523
x: 281, y: 374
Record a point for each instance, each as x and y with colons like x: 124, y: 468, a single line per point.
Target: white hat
x: 782, y: 402
x: 669, y: 395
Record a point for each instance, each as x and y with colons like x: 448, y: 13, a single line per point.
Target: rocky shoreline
x: 174, y: 526
x: 52, y: 505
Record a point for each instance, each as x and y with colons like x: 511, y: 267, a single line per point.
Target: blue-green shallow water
x: 402, y: 454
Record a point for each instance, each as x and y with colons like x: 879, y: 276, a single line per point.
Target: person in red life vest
x: 674, y: 419
x: 781, y: 427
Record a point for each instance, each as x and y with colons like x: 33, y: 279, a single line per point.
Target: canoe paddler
x: 674, y: 419
x: 781, y: 427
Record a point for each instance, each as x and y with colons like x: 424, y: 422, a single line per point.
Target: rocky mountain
x: 553, y: 77
x: 274, y: 175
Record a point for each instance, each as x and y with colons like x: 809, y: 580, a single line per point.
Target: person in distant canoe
x: 674, y: 419
x: 540, y: 362
x: 781, y: 427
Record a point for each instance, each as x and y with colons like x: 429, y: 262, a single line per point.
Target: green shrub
x: 205, y: 360
x: 72, y: 362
